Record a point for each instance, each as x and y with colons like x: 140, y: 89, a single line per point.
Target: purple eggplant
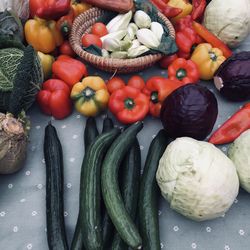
x: 232, y: 78
x: 190, y: 110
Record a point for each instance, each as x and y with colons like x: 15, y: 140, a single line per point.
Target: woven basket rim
x: 99, y: 60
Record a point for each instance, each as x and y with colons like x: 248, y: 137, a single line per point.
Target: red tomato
x: 115, y: 83
x: 136, y: 82
x: 99, y: 29
x: 90, y: 39
x: 65, y: 49
x: 167, y: 60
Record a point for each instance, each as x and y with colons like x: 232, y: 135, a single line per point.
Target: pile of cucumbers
x: 118, y: 207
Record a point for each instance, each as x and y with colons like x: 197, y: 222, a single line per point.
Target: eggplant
x: 232, y: 78
x: 191, y: 110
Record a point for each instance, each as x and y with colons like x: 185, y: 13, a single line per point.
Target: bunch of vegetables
x: 121, y: 38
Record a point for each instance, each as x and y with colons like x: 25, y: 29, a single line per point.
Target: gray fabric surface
x: 22, y: 199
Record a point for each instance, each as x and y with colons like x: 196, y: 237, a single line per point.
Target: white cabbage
x: 197, y: 179
x: 229, y: 20
x: 238, y: 152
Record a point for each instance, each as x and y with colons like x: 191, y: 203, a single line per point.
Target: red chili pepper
x: 69, y: 70
x: 54, y: 99
x: 233, y: 127
x: 49, y: 9
x: 65, y: 23
x: 212, y: 39
x: 183, y: 70
x: 199, y: 7
x: 167, y: 10
x: 158, y: 88
x: 129, y: 105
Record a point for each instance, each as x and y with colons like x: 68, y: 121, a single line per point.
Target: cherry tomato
x: 167, y: 60
x: 136, y: 82
x: 99, y: 29
x: 115, y: 83
x: 90, y: 39
x: 65, y: 49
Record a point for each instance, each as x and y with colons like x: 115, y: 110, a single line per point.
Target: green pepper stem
x: 129, y: 103
x: 181, y: 73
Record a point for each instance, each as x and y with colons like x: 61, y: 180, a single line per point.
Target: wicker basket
x: 82, y: 25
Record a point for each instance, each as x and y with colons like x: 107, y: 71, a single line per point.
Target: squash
x: 229, y: 20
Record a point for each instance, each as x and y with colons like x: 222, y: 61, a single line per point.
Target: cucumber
x: 91, y: 190
x: 107, y: 225
x: 90, y: 134
x: 110, y: 188
x: 148, y: 198
x: 56, y: 235
x: 130, y: 180
x: 107, y: 124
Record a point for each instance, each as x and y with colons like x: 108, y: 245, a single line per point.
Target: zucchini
x: 56, y: 235
x: 148, y: 198
x: 90, y: 134
x: 91, y: 190
x: 110, y: 188
x: 107, y: 225
x: 130, y: 180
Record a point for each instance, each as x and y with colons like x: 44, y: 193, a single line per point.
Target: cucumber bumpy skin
x: 90, y: 134
x: 149, y: 193
x: 110, y: 187
x: 91, y: 190
x: 56, y: 234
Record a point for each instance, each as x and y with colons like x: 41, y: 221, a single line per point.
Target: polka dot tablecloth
x: 22, y: 198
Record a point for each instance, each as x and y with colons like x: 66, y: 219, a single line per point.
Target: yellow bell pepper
x: 46, y: 61
x: 208, y: 60
x: 185, y: 5
x: 90, y: 96
x: 79, y: 7
x: 42, y: 34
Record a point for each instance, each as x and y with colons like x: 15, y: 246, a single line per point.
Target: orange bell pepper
x: 79, y: 7
x: 43, y: 35
x: 69, y: 70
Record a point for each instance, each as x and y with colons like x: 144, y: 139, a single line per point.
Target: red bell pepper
x: 183, y: 70
x: 233, y: 127
x: 49, y: 9
x: 212, y: 39
x: 129, y: 105
x: 54, y: 99
x: 167, y: 10
x: 186, y: 37
x: 69, y: 70
x: 199, y: 7
x: 65, y: 23
x: 158, y: 88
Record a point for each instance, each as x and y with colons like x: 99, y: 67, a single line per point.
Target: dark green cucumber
x: 107, y: 225
x: 91, y: 190
x: 130, y: 180
x: 107, y: 124
x: 110, y: 188
x: 90, y: 134
x: 148, y: 198
x: 56, y: 234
